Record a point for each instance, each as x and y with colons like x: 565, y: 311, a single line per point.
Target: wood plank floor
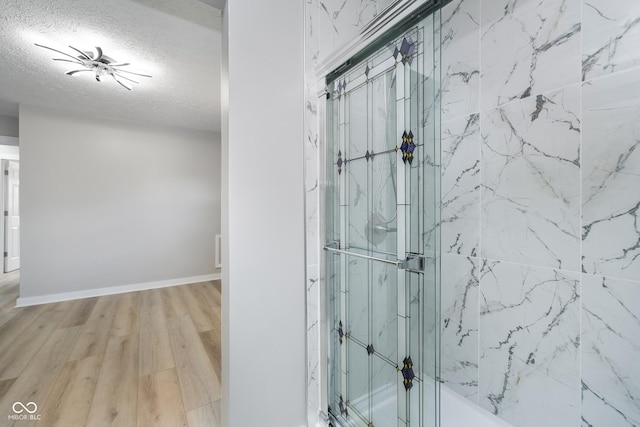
x: 149, y: 358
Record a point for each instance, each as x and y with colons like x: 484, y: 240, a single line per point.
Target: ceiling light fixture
x: 98, y: 63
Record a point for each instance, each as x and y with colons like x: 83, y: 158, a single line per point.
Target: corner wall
x: 263, y: 285
x: 109, y: 206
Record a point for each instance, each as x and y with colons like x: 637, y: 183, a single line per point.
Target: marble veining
x: 611, y: 37
x: 610, y: 352
x: 611, y: 176
x: 529, y: 343
x: 459, y: 325
x: 315, y: 324
x: 528, y: 48
x: 313, y: 342
x: 311, y: 159
x: 460, y: 59
x: 528, y: 397
x: 532, y: 144
x: 460, y: 183
x: 342, y: 20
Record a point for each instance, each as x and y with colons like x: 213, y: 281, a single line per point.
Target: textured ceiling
x: 178, y: 42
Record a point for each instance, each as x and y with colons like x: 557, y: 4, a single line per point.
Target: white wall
x: 8, y: 126
x: 108, y: 204
x: 263, y: 267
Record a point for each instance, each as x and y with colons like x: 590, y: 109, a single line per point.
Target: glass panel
x: 358, y: 299
x: 358, y: 203
x: 384, y: 390
x: 415, y: 303
x: 414, y: 80
x: 384, y: 112
x: 357, y: 119
x: 383, y: 220
x: 358, y: 381
x: 415, y: 397
x: 384, y: 328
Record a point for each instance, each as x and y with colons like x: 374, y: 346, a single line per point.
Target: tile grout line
x: 480, y: 167
x: 580, y: 222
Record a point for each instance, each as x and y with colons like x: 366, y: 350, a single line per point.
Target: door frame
x: 5, y: 200
x: 9, y: 150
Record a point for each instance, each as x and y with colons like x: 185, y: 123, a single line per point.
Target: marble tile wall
x: 531, y: 180
x: 540, y: 203
x: 459, y: 335
x: 553, y: 88
x: 529, y: 344
x: 315, y: 324
x: 609, y: 341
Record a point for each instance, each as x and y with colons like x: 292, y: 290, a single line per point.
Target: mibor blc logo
x: 25, y: 412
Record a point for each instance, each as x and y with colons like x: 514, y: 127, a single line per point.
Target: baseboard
x: 90, y: 293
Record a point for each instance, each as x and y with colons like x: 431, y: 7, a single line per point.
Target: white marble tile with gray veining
x: 526, y: 397
x: 611, y: 176
x: 459, y: 333
x: 460, y: 186
x: 610, y: 36
x: 528, y: 48
x: 530, y: 315
x: 493, y: 10
x: 531, y: 181
x: 460, y: 60
x: 342, y: 20
x: 315, y: 325
x: 430, y: 68
x: 313, y: 343
x: 311, y: 172
x: 610, y: 352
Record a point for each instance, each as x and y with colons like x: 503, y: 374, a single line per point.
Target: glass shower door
x: 381, y: 235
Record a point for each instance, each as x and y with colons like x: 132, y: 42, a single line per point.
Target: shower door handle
x: 413, y: 262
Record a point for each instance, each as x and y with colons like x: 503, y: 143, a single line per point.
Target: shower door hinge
x: 6, y: 254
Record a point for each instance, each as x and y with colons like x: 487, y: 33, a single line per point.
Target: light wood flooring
x: 149, y: 358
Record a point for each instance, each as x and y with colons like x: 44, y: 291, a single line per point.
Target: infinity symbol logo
x: 25, y: 407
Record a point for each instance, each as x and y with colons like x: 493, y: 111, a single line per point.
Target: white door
x: 12, y: 216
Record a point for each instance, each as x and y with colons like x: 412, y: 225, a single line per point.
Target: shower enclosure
x: 381, y: 230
